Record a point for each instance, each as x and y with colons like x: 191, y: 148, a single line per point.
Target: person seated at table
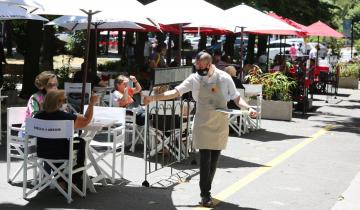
x: 59, y: 148
x: 123, y: 96
x: 157, y: 59
x: 238, y: 84
x: 44, y: 82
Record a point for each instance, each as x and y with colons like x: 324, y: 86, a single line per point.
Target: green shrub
x: 277, y: 86
x: 349, y: 70
x: 77, y: 43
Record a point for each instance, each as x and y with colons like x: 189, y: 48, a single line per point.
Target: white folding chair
x: 137, y: 131
x: 254, y: 91
x: 57, y: 130
x: 15, y: 142
x: 76, y: 88
x: 114, y: 144
x: 237, y: 119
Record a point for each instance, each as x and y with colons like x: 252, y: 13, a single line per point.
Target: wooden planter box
x: 348, y: 82
x: 276, y: 110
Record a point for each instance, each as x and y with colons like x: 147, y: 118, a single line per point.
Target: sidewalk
x: 297, y: 184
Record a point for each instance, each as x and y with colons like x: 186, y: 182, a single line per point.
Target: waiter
x: 211, y: 89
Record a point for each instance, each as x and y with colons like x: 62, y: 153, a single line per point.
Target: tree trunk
x: 48, y: 48
x: 139, y: 48
x: 32, y: 55
x: 262, y: 43
x: 229, y: 45
x: 120, y: 43
x: 9, y: 38
x: 129, y: 38
x: 250, y: 49
x: 202, y: 42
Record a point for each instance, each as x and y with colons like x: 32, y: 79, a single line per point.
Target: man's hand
x: 147, y: 100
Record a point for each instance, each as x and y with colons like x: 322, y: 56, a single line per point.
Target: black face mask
x: 203, y: 72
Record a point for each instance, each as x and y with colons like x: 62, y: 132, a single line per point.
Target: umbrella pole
x: 317, y: 52
x: 180, y: 42
x: 241, y: 48
x: 89, y: 14
x: 268, y: 54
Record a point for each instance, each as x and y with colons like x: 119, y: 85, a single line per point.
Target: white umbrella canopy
x: 28, y: 3
x: 14, y: 12
x: 246, y: 17
x: 80, y: 23
x: 183, y: 11
x: 125, y: 10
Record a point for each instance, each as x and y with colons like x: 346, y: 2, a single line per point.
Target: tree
x: 34, y: 37
x: 48, y: 48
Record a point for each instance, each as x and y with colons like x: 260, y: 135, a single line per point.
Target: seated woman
x: 59, y: 148
x: 123, y: 96
x: 45, y: 82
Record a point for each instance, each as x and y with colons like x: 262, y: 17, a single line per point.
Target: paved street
x: 310, y: 163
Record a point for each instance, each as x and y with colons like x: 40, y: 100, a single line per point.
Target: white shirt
x: 192, y: 83
x: 312, y: 54
x: 116, y: 96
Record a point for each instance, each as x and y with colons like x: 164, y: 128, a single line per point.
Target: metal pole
x: 180, y: 42
x: 87, y: 52
x: 352, y: 38
x: 241, y: 47
x: 268, y: 54
x: 317, y: 52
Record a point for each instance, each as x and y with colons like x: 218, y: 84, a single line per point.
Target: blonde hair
x: 230, y: 70
x: 120, y: 79
x: 53, y: 99
x: 42, y: 79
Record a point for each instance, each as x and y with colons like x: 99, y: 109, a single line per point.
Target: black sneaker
x: 206, y: 201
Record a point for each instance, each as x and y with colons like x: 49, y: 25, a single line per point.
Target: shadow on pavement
x: 265, y: 136
x: 122, y: 196
x: 351, y: 125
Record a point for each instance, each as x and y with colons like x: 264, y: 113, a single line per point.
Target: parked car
x: 274, y: 46
x: 323, y: 49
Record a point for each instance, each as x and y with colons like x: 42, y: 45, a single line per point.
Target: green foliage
x: 116, y: 66
x: 277, y: 86
x: 350, y: 69
x: 10, y: 82
x: 63, y: 72
x: 76, y: 46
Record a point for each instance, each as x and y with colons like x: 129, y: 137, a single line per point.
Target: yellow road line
x: 268, y: 166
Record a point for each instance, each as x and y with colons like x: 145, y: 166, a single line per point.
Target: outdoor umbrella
x: 80, y: 23
x: 321, y: 29
x: 247, y: 19
x: 182, y: 12
x: 14, y: 12
x: 27, y: 3
x: 129, y: 10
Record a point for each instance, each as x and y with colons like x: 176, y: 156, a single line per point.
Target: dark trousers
x: 208, y: 163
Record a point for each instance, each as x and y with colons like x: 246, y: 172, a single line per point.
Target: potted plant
x: 276, y: 91
x: 349, y: 75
